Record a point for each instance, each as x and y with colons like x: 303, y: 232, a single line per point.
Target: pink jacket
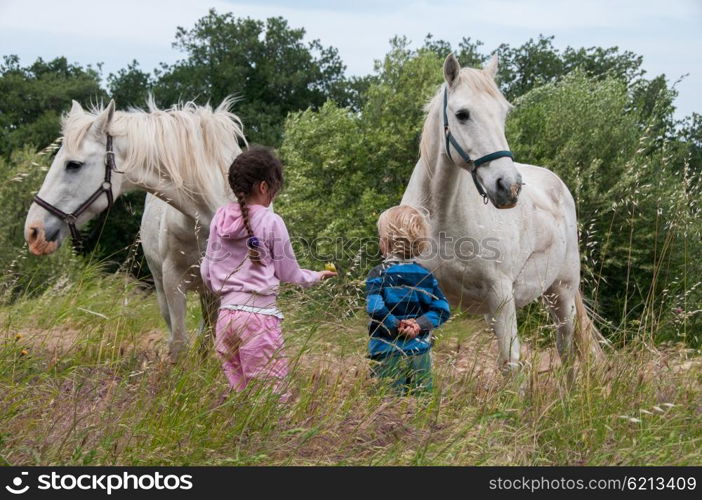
x: 228, y: 272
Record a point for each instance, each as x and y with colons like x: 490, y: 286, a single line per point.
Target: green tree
x: 538, y: 62
x: 267, y: 65
x: 32, y: 99
x: 691, y: 136
x: 130, y: 87
x: 468, y: 51
x: 652, y: 100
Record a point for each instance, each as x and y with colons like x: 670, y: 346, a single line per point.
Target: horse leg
x: 560, y: 300
x: 152, y: 241
x: 161, y: 296
x: 503, y: 322
x: 176, y: 299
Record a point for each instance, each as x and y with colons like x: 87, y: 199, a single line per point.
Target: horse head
x: 474, y: 114
x: 79, y: 184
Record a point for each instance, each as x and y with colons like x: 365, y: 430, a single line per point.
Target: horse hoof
x: 175, y: 352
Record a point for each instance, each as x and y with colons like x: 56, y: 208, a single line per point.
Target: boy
x: 404, y: 303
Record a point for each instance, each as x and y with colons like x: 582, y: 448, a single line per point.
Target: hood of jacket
x: 229, y: 223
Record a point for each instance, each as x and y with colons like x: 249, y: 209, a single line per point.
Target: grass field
x: 85, y: 381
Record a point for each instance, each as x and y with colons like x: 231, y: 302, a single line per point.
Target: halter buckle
x: 70, y: 219
x: 106, y: 186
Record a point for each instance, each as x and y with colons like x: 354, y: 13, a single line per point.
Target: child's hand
x: 327, y: 274
x: 409, y: 328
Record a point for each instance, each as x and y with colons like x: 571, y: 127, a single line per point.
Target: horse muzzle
x: 42, y: 240
x: 506, y: 193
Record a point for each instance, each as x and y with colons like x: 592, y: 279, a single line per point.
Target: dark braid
x: 249, y: 169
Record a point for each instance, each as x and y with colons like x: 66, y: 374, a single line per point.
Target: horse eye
x: 463, y: 115
x: 73, y: 165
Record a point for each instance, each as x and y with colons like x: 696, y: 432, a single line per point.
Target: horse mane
x: 190, y: 145
x: 477, y: 80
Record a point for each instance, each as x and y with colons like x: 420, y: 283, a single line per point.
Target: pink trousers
x: 250, y: 346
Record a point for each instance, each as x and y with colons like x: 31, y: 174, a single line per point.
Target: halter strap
x: 451, y: 141
x: 106, y: 187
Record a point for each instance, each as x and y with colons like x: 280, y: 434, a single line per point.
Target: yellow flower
x: 18, y: 336
x: 24, y: 352
x: 329, y: 266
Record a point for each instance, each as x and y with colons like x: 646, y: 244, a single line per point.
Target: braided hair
x: 249, y: 169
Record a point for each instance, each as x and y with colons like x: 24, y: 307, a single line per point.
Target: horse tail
x: 588, y: 339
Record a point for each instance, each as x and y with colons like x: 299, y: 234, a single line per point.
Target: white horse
x: 179, y: 156
x: 493, y: 259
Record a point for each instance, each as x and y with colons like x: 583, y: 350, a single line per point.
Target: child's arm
x: 438, y: 312
x: 286, y: 267
x: 376, y: 307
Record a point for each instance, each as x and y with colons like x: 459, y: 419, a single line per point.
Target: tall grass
x: 85, y: 381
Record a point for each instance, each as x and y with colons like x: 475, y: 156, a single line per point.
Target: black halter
x: 105, y: 187
x: 451, y: 141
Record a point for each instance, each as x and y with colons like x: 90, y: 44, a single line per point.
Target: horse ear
x: 75, y: 107
x: 451, y: 69
x: 491, y: 67
x: 104, y: 119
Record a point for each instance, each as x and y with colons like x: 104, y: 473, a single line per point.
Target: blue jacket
x: 397, y: 290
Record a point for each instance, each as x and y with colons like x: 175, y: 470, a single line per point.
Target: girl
x: 248, y: 255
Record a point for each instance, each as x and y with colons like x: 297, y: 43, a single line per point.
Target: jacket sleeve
x: 376, y: 307
x: 438, y: 312
x: 286, y: 267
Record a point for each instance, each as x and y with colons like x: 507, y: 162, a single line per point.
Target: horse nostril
x: 500, y: 185
x: 33, y: 234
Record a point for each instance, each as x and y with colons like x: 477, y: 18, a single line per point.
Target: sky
x: 668, y: 34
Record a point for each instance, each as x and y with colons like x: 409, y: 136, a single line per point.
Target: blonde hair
x: 403, y: 231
